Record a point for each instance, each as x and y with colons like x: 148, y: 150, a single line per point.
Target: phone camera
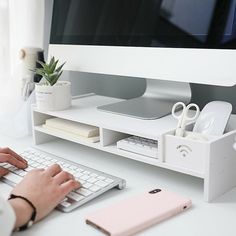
x: 155, y: 191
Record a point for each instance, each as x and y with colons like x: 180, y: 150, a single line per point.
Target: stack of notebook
x: 72, y: 129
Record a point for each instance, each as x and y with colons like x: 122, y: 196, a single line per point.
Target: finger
x: 53, y: 170
x: 12, y: 153
x: 62, y: 177
x: 12, y: 160
x: 70, y: 185
x: 3, y: 171
x: 36, y: 170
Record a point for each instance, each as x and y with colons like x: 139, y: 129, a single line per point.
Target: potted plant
x: 51, y: 94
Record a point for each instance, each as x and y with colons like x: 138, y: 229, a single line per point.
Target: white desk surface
x: 203, y: 218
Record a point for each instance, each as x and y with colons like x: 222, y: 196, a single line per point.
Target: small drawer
x: 185, y: 153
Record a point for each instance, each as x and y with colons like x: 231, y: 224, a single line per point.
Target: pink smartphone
x: 137, y: 213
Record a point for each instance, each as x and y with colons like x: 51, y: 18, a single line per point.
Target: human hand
x: 9, y: 156
x: 45, y: 189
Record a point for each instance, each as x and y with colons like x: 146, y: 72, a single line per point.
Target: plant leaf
x: 51, y: 62
x: 48, y: 79
x: 53, y: 67
x: 40, y: 73
x: 41, y: 63
x: 60, y: 67
x: 54, y: 79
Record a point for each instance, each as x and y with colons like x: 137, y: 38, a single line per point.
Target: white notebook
x: 71, y: 136
x: 73, y: 127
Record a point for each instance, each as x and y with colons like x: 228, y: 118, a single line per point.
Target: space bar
x: 13, y: 178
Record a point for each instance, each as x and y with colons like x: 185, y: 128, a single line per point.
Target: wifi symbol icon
x: 184, y: 150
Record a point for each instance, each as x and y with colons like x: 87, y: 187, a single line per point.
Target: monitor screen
x: 145, y: 23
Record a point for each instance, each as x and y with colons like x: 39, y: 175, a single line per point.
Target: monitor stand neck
x: 156, y: 102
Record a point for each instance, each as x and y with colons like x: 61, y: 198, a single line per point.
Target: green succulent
x: 50, y: 71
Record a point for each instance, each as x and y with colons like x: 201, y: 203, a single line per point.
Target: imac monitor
x: 169, y: 42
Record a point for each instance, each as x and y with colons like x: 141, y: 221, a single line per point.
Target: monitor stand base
x: 156, y: 102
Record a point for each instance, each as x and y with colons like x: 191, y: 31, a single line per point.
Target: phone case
x: 137, y: 213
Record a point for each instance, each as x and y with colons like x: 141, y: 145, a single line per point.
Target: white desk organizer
x: 214, y: 160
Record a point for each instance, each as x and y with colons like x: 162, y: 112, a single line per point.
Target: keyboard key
x: 85, y: 177
x: 40, y: 160
x: 13, y: 178
x: 87, y: 185
x: 22, y: 174
x: 76, y: 197
x: 94, y: 188
x: 66, y: 165
x: 30, y: 162
x: 48, y: 158
x: 78, y: 174
x: 7, y: 166
x: 73, y: 172
x: 93, y: 175
x: 64, y: 200
x: 12, y: 168
x: 101, y: 177
x: 109, y: 180
x: 35, y: 164
x: 29, y: 168
x: 60, y: 163
x: 81, y: 181
x: 34, y: 158
x: 102, y: 183
x: 83, y: 191
x: 47, y: 163
x: 92, y: 180
x: 18, y: 171
x: 65, y: 204
x: 67, y: 169
x: 73, y: 167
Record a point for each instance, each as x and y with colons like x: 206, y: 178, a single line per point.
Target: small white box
x: 186, y: 153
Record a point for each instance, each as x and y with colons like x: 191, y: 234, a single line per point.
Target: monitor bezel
x: 200, y: 66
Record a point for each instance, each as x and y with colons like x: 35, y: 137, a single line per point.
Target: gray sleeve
x: 7, y: 218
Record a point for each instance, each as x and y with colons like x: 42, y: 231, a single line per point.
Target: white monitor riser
x: 214, y: 161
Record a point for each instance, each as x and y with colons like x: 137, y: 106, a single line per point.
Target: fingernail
x: 24, y: 165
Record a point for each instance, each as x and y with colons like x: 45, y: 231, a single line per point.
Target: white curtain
x: 21, y: 25
x: 4, y: 40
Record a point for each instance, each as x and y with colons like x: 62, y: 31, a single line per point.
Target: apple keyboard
x: 94, y: 182
x: 139, y: 145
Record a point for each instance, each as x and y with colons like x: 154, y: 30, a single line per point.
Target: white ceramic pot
x: 53, y: 98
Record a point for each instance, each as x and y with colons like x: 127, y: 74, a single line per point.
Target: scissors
x: 184, y: 116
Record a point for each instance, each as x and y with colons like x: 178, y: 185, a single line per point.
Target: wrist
x: 23, y: 211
